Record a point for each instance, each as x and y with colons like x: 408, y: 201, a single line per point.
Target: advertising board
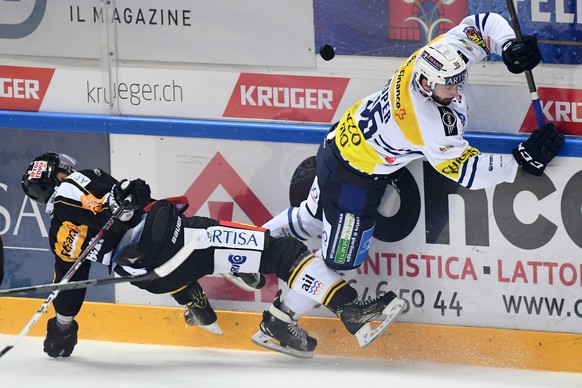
x: 501, y: 257
x: 217, y: 32
x: 24, y: 224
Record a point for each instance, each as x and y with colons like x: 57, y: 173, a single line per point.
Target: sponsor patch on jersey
x: 475, y: 37
x: 234, y: 260
x: 236, y: 237
x: 92, y: 203
x: 390, y: 159
x: 80, y: 179
x: 449, y: 120
x: 461, y: 117
x: 452, y: 167
x: 70, y: 239
x: 346, y: 225
x: 401, y: 102
x: 466, y: 44
x: 365, y: 243
x: 350, y: 141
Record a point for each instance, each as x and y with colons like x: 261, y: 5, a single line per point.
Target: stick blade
x: 5, y: 350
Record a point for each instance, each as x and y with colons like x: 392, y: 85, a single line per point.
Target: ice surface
x: 111, y: 365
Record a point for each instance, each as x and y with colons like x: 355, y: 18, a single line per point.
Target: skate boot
x: 199, y: 312
x: 247, y: 281
x: 356, y: 316
x: 278, y: 331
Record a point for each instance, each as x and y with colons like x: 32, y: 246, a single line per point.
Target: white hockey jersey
x: 388, y: 129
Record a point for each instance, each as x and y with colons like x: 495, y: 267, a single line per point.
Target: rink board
x: 203, y: 159
x: 402, y: 342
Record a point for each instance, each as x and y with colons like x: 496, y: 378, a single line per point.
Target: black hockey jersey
x: 79, y: 208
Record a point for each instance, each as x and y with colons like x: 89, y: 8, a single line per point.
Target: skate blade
x: 366, y: 335
x: 268, y: 342
x: 212, y: 328
x: 238, y: 282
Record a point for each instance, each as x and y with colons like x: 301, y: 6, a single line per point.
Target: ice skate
x: 281, y: 333
x: 356, y: 317
x: 247, y: 281
x: 200, y: 313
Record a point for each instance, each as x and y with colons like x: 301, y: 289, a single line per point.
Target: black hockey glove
x: 60, y: 343
x: 136, y: 193
x: 539, y: 149
x: 523, y: 55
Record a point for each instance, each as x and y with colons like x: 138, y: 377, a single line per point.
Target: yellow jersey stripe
x: 401, y: 101
x: 332, y: 290
x: 350, y: 140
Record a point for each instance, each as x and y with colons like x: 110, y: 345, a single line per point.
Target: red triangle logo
x: 217, y: 173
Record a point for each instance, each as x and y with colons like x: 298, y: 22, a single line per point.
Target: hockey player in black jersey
x: 149, y: 233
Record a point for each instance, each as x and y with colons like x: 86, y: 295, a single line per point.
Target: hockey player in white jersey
x: 420, y: 113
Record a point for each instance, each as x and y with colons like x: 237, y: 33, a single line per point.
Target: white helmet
x: 440, y: 63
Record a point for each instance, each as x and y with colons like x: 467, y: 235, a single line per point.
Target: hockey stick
x: 76, y: 285
x: 159, y: 272
x: 65, y: 279
x: 528, y: 75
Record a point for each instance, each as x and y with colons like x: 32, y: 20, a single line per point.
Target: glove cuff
x: 530, y: 166
x: 126, y: 214
x: 517, y: 155
x: 532, y: 170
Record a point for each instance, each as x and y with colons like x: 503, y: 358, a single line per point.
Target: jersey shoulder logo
x: 449, y: 120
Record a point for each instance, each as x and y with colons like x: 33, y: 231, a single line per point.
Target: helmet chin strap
x: 428, y: 96
x: 50, y: 205
x: 426, y: 93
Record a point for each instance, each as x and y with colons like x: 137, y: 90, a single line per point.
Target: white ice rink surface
x: 111, y: 365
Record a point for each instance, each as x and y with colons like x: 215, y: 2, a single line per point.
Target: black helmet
x: 40, y: 178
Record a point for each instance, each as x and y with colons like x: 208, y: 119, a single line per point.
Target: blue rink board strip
x: 226, y: 129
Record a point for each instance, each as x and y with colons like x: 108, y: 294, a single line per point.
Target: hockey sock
x: 63, y: 322
x: 311, y: 278
x: 296, y: 222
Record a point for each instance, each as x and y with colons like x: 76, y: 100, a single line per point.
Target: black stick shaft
x: 528, y: 75
x: 77, y: 285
